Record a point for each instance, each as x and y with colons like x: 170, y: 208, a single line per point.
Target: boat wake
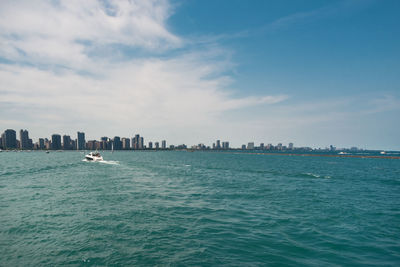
x: 110, y: 162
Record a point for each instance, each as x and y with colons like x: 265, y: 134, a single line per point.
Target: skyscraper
x: 163, y: 144
x: 9, y: 139
x: 117, y: 144
x: 56, y: 142
x: 291, y: 146
x: 24, y: 139
x: 250, y: 145
x: 126, y: 143
x: 135, y: 141
x: 157, y: 145
x: 141, y: 143
x: 150, y: 145
x: 67, y: 142
x: 218, y: 144
x: 81, y: 141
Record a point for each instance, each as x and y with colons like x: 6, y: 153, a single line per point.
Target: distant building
x: 141, y: 143
x: 126, y: 144
x: 279, y: 146
x: 218, y: 146
x: 163, y: 144
x: 56, y: 142
x: 91, y: 144
x: 9, y: 139
x: 67, y: 142
x: 81, y: 141
x: 150, y: 145
x: 157, y: 145
x: 243, y: 147
x: 73, y: 144
x: 262, y: 146
x: 225, y: 145
x: 24, y: 139
x: 290, y: 146
x: 135, y: 141
x: 41, y: 143
x: 117, y: 144
x: 250, y: 145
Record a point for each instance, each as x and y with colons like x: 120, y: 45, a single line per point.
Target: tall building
x: 117, y: 144
x: 262, y: 146
x: 218, y: 146
x: 291, y: 146
x: 157, y: 145
x: 9, y: 139
x: 135, y: 141
x: 141, y: 143
x: 126, y: 143
x: 225, y: 145
x: 41, y: 143
x: 150, y: 145
x: 67, y: 142
x: 243, y: 147
x: 81, y: 141
x: 250, y: 145
x: 163, y: 144
x: 24, y: 139
x: 56, y: 142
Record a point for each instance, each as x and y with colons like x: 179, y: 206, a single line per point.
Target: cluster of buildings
x: 9, y: 140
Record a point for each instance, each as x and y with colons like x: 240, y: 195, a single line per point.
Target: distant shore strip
x: 320, y: 155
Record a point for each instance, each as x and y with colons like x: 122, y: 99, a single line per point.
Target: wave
x: 110, y: 162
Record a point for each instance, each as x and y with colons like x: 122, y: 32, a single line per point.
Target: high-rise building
x: 9, y: 139
x: 163, y: 144
x: 41, y: 143
x: 150, y: 145
x: 81, y: 141
x: 141, y: 143
x: 67, y: 142
x: 135, y: 141
x: 56, y: 142
x: 126, y: 143
x: 24, y: 139
x: 225, y: 145
x: 262, y: 146
x: 117, y: 144
x: 91, y: 144
x: 291, y: 146
x: 243, y: 147
x: 250, y: 145
x: 218, y: 146
x: 73, y: 144
x: 279, y: 146
x: 157, y: 145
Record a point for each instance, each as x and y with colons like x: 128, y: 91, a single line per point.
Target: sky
x: 315, y: 73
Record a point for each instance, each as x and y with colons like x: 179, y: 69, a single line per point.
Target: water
x: 204, y: 209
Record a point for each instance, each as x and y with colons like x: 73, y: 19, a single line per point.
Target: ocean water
x: 201, y: 208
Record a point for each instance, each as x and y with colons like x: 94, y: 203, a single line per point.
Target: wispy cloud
x: 67, y: 68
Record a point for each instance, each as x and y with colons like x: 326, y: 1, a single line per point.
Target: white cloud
x: 58, y: 79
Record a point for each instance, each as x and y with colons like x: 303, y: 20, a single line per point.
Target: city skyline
x: 9, y: 140
x: 312, y: 72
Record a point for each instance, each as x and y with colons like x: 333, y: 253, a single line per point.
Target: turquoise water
x: 202, y: 208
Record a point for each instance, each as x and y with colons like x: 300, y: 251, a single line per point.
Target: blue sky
x: 314, y: 73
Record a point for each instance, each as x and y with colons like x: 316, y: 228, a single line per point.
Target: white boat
x: 93, y: 156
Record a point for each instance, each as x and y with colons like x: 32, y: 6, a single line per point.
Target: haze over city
x: 314, y: 73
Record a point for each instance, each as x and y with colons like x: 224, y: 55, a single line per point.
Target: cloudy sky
x: 314, y: 73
